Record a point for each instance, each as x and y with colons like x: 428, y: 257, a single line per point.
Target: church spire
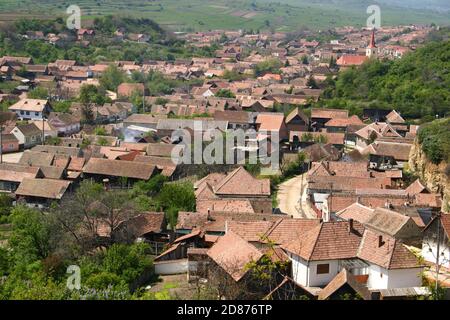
x: 372, y: 39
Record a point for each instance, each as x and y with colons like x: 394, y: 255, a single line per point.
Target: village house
x: 297, y: 121
x: 387, y: 155
x: 128, y: 89
x: 437, y: 231
x: 40, y: 193
x: 11, y: 175
x: 9, y: 143
x: 323, y: 252
x: 386, y: 220
x: 321, y: 116
x: 269, y: 123
x: 237, y: 191
x: 31, y: 109
x: 372, y: 132
x: 28, y: 135
x: 65, y: 124
x: 117, y: 172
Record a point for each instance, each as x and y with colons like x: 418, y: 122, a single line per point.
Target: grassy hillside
x: 416, y: 85
x: 283, y: 15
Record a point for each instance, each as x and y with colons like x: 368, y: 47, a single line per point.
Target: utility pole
x: 1, y: 144
x: 43, y: 129
x: 143, y: 97
x: 438, y: 248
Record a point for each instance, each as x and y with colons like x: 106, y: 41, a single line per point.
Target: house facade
x: 31, y: 109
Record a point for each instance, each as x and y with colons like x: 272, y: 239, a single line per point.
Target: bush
x: 434, y: 138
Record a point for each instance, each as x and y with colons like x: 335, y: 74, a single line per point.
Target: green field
x: 188, y: 15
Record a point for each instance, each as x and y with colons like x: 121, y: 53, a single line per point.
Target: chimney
x: 350, y: 225
x: 380, y: 241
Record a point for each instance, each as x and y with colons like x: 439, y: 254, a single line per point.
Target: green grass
x: 187, y: 15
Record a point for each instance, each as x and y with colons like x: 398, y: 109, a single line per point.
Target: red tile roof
x: 386, y: 251
x: 232, y: 254
x: 328, y: 241
x: 351, y: 60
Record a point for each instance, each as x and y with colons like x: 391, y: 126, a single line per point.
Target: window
x: 21, y: 112
x: 36, y: 113
x: 27, y: 113
x: 323, y: 268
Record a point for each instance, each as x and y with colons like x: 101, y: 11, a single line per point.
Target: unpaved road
x: 291, y: 201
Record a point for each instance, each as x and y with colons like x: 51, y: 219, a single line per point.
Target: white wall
x: 171, y: 266
x: 322, y: 279
x: 381, y: 278
x: 299, y: 270
x: 430, y: 256
x: 404, y: 278
x: 306, y: 274
x: 378, y: 277
x: 31, y: 116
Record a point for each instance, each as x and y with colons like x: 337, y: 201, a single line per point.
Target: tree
x: 312, y: 83
x: 111, y: 78
x: 268, y: 66
x: 225, y: 93
x: 30, y: 238
x: 38, y: 93
x: 176, y: 197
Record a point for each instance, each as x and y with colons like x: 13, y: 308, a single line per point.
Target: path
x: 290, y: 200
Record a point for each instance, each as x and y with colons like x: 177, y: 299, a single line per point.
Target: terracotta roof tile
x: 386, y: 251
x: 232, y: 254
x: 328, y: 241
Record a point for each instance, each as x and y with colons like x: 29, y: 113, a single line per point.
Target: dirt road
x: 291, y: 200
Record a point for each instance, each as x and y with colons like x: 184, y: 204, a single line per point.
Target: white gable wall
x: 429, y: 250
x: 381, y: 278
x: 305, y: 273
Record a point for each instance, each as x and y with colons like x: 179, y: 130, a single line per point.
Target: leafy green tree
x: 225, y: 93
x: 111, y: 78
x: 38, y: 93
x: 176, y: 197
x: 30, y: 238
x: 268, y: 66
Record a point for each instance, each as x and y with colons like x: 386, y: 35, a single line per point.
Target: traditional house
x: 237, y: 191
x: 9, y: 143
x: 297, y: 121
x: 64, y: 123
x: 40, y: 193
x: 323, y: 252
x: 272, y: 123
x: 372, y: 132
x: 437, y: 234
x: 128, y: 89
x: 28, y: 135
x: 385, y: 155
x: 31, y: 109
x: 116, y: 171
x: 11, y: 175
x: 321, y: 116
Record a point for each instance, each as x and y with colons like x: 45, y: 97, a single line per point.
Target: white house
x: 31, y: 109
x: 430, y: 236
x: 64, y: 123
x: 323, y: 252
x: 28, y: 135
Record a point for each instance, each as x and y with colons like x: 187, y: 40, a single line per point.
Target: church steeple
x: 371, y: 49
x: 372, y: 39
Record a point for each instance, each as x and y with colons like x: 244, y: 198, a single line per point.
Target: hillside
x: 430, y: 158
x: 283, y: 15
x: 417, y: 85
